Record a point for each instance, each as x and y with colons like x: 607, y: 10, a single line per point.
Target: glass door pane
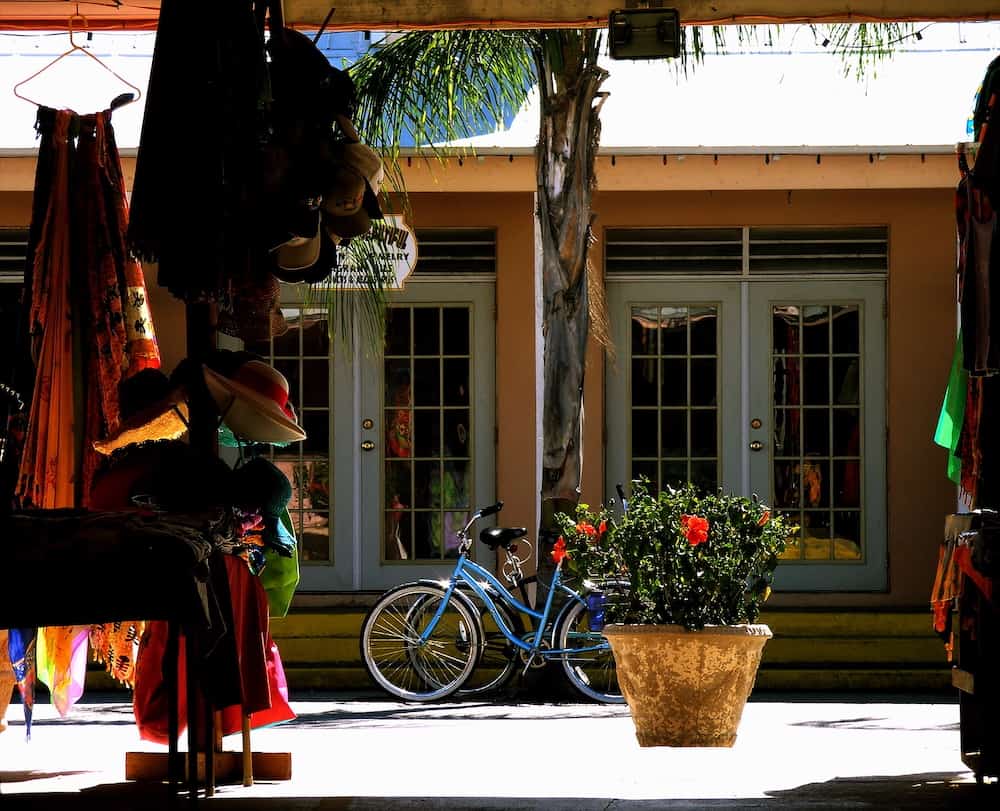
x: 673, y: 390
x: 427, y: 441
x: 427, y: 417
x: 303, y: 356
x: 817, y: 397
x: 675, y: 394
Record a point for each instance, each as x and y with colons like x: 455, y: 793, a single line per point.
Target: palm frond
x: 424, y: 88
x: 864, y: 46
x: 430, y: 87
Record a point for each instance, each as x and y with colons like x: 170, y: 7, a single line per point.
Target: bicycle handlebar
x: 493, y: 509
x: 482, y: 512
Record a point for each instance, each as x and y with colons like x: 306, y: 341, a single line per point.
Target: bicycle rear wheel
x: 411, y: 669
x: 498, y: 659
x: 592, y: 673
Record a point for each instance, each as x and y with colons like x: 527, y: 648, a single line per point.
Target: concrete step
x: 811, y: 650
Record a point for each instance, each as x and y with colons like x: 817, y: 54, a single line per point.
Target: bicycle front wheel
x: 591, y: 672
x: 411, y: 656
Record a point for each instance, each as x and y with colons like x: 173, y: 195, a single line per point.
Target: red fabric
x: 112, y: 489
x: 249, y: 376
x: 963, y: 558
x: 262, y: 677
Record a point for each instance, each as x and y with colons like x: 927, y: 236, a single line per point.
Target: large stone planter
x: 686, y: 688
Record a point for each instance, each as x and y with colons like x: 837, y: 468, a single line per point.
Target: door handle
x: 756, y: 445
x: 367, y: 445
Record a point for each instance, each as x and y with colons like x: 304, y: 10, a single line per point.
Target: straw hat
x: 254, y: 403
x: 152, y: 409
x: 253, y: 312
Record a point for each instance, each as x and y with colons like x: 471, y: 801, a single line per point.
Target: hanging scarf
x: 48, y: 466
x: 82, y: 279
x: 120, y: 339
x: 21, y: 649
x: 116, y: 645
x: 61, y: 662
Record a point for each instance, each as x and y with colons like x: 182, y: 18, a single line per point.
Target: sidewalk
x: 362, y: 752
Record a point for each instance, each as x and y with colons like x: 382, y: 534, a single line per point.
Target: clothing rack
x: 976, y: 668
x: 967, y: 568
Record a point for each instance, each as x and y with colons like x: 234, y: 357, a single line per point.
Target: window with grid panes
x: 302, y: 355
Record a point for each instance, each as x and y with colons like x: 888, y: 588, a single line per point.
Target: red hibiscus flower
x: 559, y: 551
x: 695, y: 529
x: 602, y: 528
x: 586, y: 529
x: 764, y: 518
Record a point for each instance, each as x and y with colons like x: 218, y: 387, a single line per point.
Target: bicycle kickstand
x: 530, y: 663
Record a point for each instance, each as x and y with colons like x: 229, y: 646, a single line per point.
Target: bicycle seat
x: 501, y: 536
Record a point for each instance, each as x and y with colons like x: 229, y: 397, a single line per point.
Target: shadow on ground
x: 945, y: 790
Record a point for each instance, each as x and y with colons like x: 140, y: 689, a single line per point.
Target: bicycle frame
x: 466, y: 571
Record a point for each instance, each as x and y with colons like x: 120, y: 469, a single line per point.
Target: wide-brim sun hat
x: 153, y: 409
x: 254, y: 403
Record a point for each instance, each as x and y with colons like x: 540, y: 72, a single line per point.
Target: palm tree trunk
x: 569, y: 131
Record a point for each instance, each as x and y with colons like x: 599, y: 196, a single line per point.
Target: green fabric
x: 228, y: 440
x: 949, y: 427
x: 280, y: 577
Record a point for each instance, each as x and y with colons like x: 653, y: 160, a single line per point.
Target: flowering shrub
x: 692, y: 559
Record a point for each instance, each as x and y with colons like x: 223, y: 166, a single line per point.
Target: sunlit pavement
x: 359, y: 751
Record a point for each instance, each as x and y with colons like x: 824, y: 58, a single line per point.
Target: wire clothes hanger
x: 119, y: 101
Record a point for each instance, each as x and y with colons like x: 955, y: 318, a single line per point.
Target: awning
x: 403, y: 14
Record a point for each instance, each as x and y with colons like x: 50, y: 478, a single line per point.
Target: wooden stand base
x: 229, y: 766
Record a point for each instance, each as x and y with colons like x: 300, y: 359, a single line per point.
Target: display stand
x: 972, y: 538
x: 207, y: 761
x: 976, y: 672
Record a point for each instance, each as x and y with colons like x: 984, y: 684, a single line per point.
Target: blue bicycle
x: 423, y: 640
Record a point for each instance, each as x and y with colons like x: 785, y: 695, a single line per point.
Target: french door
x: 761, y: 386
x: 426, y: 420
x: 400, y: 442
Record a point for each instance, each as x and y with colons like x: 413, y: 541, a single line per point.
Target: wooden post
x: 201, y: 342
x: 247, y: 752
x: 175, y: 766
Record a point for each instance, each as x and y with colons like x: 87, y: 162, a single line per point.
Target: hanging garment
x: 83, y: 280
x: 969, y: 449
x: 84, y: 291
x: 980, y: 284
x: 21, y: 650
x: 118, y: 336
x: 949, y: 425
x: 280, y: 576
x: 116, y: 645
x: 62, y: 663
x: 262, y: 688
x: 47, y: 478
x: 986, y: 172
x: 7, y: 680
x: 194, y: 205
